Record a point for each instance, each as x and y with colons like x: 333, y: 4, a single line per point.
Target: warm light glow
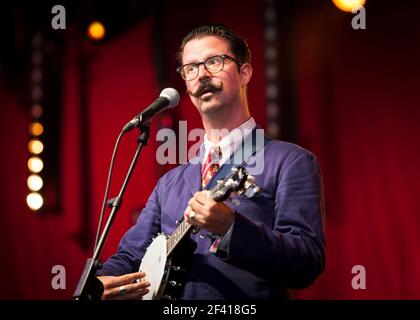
x: 96, y: 30
x: 36, y: 129
x: 349, y: 5
x: 37, y: 111
x: 34, y: 201
x: 35, y: 164
x: 35, y: 182
x: 35, y: 146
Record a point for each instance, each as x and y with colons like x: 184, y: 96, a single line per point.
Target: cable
x: 111, y: 165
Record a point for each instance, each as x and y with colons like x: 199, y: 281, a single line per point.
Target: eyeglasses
x: 213, y: 65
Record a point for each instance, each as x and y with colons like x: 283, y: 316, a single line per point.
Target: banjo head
x: 153, y: 264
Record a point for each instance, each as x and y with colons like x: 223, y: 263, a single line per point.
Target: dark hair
x: 238, y: 45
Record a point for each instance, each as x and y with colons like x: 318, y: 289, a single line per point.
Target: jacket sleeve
x: 136, y: 240
x: 291, y: 253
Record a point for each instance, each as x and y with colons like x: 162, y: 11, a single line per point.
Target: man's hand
x: 208, y: 214
x: 124, y: 287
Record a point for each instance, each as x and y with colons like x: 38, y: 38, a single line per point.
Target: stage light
x: 37, y: 92
x: 96, y: 30
x: 34, y: 201
x: 35, y: 164
x: 349, y: 5
x: 36, y: 129
x: 37, y: 111
x: 272, y: 59
x: 35, y: 146
x: 35, y: 182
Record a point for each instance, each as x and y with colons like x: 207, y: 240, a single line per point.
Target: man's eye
x: 190, y: 68
x: 213, y: 61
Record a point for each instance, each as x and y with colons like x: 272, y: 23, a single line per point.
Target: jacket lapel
x: 192, y: 174
x: 192, y: 178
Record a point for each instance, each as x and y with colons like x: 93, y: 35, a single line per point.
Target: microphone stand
x: 89, y: 286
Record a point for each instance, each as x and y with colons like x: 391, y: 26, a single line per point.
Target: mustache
x: 205, y: 86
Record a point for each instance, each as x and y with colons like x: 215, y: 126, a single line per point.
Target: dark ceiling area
x: 19, y: 21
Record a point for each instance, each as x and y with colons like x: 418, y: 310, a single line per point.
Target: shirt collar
x: 231, y: 141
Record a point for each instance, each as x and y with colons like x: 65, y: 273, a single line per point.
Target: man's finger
x: 128, y: 278
x: 137, y: 295
x: 127, y: 289
x: 197, y: 206
x: 202, y: 198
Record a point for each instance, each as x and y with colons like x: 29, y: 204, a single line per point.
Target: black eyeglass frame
x: 223, y: 56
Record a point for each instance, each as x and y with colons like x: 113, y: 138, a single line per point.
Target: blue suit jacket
x: 277, y: 239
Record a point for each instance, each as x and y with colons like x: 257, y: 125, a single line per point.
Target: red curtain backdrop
x: 121, y: 82
x: 358, y: 111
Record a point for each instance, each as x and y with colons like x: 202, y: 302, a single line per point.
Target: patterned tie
x: 210, y: 166
x: 209, y: 169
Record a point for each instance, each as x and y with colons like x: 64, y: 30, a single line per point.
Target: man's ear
x: 246, y: 73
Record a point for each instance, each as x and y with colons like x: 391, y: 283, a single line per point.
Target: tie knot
x: 215, y: 154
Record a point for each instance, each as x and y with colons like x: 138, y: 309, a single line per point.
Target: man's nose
x: 203, y: 73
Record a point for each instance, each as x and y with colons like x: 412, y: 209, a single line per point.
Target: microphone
x: 168, y: 98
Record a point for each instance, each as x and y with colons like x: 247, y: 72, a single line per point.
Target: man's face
x: 228, y: 81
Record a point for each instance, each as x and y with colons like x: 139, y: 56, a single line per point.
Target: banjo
x: 164, y: 259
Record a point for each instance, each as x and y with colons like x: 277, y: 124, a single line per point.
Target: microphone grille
x: 172, y: 95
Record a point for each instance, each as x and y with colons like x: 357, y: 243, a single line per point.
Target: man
x: 256, y: 249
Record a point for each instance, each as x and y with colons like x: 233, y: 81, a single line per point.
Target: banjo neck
x: 177, y: 236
